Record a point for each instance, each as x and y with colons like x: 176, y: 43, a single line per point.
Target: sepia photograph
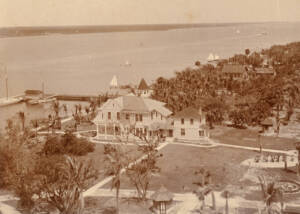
x: 149, y: 107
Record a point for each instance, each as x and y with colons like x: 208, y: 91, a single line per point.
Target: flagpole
x: 6, y: 88
x: 6, y: 83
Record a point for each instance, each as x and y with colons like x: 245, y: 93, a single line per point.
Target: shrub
x: 68, y: 144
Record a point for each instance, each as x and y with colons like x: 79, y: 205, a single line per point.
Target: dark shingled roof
x: 234, y: 69
x: 143, y: 85
x: 189, y: 112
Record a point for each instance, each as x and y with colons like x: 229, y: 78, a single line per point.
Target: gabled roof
x: 134, y: 103
x: 158, y: 106
x: 234, y: 69
x: 143, y: 85
x: 189, y: 112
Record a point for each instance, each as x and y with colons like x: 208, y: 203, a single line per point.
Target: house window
x: 136, y: 117
x: 182, y: 132
x: 156, y: 114
x: 141, y: 117
x: 170, y: 133
x: 192, y: 121
x: 201, y: 133
x: 118, y: 116
x: 127, y: 116
x: 182, y: 121
x: 151, y: 115
x: 161, y: 117
x: 109, y: 115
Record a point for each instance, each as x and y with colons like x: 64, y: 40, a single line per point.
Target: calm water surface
x: 85, y: 63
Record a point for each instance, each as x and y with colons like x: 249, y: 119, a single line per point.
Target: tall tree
x: 61, y: 180
x: 116, y: 159
x: 22, y: 118
x: 271, y: 193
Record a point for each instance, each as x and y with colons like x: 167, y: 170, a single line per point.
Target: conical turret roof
x: 143, y: 85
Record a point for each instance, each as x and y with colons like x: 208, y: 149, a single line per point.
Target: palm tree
x: 65, y: 109
x: 35, y: 125
x: 22, y: 117
x: 298, y: 149
x: 271, y: 193
x: 79, y: 108
x: 226, y: 195
x: 115, y: 159
x: 55, y: 107
x: 87, y: 111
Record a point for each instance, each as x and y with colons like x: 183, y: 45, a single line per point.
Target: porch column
x: 114, y: 129
x: 105, y: 133
x: 97, y: 130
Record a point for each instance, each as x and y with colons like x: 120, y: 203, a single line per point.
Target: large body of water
x: 85, y: 63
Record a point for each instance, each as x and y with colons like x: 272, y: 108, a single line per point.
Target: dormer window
x: 182, y: 121
x: 192, y: 121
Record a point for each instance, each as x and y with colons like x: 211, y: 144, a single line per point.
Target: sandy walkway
x: 6, y: 209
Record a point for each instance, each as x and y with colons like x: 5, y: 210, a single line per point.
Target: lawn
x: 249, y: 137
x: 98, y: 157
x: 106, y: 205
x: 179, y: 163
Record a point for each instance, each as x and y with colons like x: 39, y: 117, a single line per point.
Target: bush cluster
x: 67, y: 144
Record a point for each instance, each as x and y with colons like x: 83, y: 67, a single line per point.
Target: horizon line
x: 139, y: 24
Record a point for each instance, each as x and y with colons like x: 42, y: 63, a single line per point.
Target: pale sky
x: 109, y: 12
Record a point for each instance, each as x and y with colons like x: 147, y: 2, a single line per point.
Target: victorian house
x: 129, y: 116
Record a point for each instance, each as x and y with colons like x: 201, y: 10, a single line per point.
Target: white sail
x: 114, y: 82
x: 210, y: 57
x: 238, y: 31
x: 127, y: 63
x: 217, y: 57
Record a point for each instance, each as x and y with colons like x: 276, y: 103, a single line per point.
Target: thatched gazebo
x: 266, y: 124
x: 161, y: 198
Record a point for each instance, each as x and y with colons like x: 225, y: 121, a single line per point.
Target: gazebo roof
x: 267, y: 122
x: 162, y: 195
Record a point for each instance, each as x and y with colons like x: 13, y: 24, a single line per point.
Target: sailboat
x: 212, y: 58
x: 114, y: 82
x: 238, y: 31
x: 127, y: 63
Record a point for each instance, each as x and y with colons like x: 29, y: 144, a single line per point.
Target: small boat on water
x: 40, y: 101
x: 238, y: 31
x: 212, y: 58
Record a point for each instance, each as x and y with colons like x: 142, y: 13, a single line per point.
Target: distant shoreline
x: 45, y: 30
